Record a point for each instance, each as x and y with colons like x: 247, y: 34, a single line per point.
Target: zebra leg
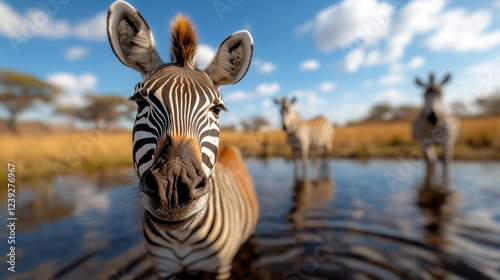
x: 295, y: 164
x: 447, y: 158
x: 430, y: 159
x: 304, y: 163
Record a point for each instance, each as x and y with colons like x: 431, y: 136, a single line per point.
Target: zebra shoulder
x: 230, y: 158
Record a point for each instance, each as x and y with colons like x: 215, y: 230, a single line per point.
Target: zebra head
x: 288, y: 113
x: 176, y: 131
x: 433, y: 104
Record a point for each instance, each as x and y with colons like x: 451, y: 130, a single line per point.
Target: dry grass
x: 61, y: 152
x: 479, y: 139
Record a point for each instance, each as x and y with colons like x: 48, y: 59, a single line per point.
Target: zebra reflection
x: 309, y: 195
x: 437, y: 205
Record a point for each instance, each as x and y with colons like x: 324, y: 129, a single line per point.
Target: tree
x: 101, y: 109
x: 490, y: 105
x: 379, y: 111
x: 256, y: 123
x: 459, y: 108
x: 19, y: 91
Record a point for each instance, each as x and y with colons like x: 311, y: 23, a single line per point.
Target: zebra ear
x: 131, y: 39
x: 446, y: 79
x: 232, y: 59
x: 420, y: 83
x: 431, y: 79
x: 293, y: 99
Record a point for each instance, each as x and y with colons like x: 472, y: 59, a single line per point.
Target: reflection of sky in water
x: 86, y: 225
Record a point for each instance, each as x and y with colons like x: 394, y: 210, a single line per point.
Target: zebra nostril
x: 149, y: 182
x: 201, y: 184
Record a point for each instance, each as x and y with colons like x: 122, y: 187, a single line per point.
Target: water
x: 364, y: 220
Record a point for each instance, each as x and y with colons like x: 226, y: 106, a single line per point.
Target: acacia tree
x: 102, y: 110
x: 19, y: 91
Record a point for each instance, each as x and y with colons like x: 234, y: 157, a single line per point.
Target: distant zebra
x: 435, y: 127
x: 199, y: 200
x: 302, y: 135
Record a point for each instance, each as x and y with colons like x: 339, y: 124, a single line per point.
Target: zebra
x: 434, y: 126
x: 198, y: 199
x: 302, y: 135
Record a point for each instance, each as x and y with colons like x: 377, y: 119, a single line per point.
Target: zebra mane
x: 183, y: 46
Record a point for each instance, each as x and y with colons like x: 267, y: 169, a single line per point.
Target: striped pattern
x: 167, y: 100
x: 199, y: 201
x: 303, y: 135
x: 434, y: 126
x: 211, y: 240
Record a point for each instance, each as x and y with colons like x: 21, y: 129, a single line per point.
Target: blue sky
x: 338, y: 57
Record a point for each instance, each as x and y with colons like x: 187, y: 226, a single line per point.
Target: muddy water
x: 358, y: 220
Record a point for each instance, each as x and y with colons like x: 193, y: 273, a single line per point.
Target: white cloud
x: 462, y: 32
x: 353, y: 60
x: 309, y: 65
x: 414, y: 63
x: 73, y: 86
x: 264, y: 67
x: 237, y: 95
x: 326, y: 86
x: 418, y: 16
x: 390, y: 79
x: 366, y: 84
x: 92, y: 29
x: 36, y: 22
x: 75, y: 53
x: 370, y: 33
x: 392, y: 96
x: 264, y: 89
x: 348, y: 22
x: 268, y: 89
x: 204, y: 55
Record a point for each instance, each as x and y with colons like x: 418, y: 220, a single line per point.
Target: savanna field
x: 39, y: 150
x: 83, y: 197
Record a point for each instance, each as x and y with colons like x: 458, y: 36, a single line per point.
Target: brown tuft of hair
x: 183, y: 45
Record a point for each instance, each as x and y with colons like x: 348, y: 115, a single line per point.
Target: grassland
x: 60, y: 152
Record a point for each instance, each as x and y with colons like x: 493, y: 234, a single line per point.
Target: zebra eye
x: 217, y: 109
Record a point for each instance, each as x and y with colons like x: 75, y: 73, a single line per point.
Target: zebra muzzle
x: 175, y: 184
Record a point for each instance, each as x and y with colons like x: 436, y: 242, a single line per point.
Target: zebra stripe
x: 434, y: 126
x: 302, y: 135
x: 218, y: 230
x: 169, y: 92
x: 197, y: 213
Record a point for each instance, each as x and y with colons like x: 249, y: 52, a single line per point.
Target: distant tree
x: 406, y: 112
x: 102, y: 110
x: 379, y: 111
x: 246, y: 126
x: 490, y: 105
x: 258, y: 123
x: 459, y: 108
x: 19, y: 91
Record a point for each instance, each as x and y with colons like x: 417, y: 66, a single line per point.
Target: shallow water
x: 360, y: 220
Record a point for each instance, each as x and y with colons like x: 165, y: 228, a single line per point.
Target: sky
x: 338, y: 58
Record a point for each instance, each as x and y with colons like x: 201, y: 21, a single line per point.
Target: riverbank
x: 61, y: 152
